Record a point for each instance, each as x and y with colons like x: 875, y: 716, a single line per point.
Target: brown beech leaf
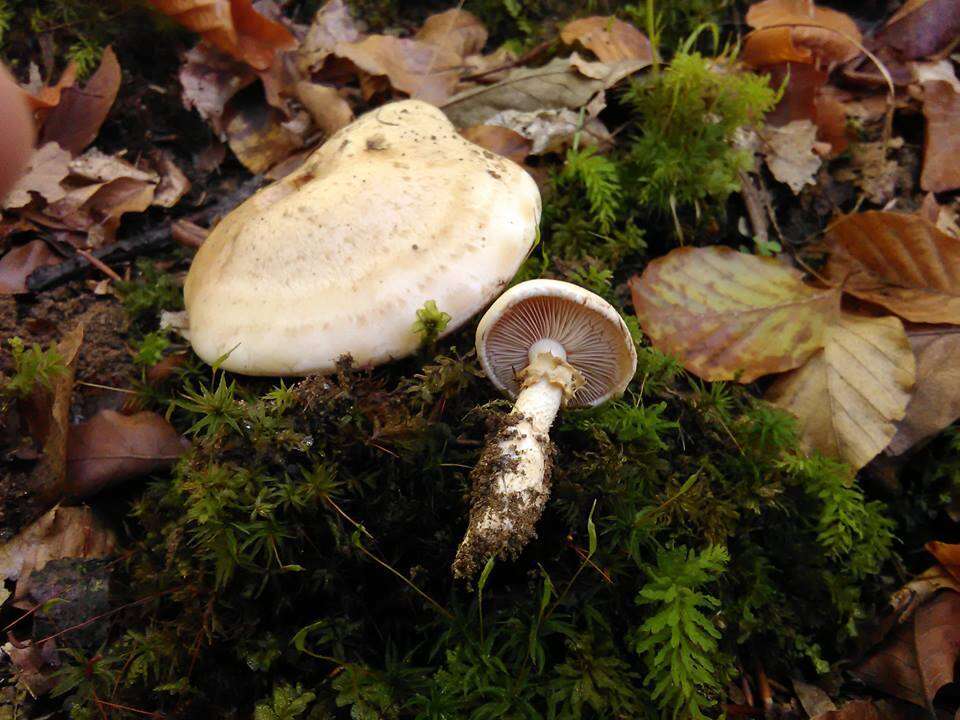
x: 458, y: 31
x: 48, y: 167
x: 209, y: 79
x: 63, y: 532
x: 922, y: 27
x: 788, y: 151
x: 419, y: 69
x: 935, y: 403
x: 947, y: 555
x: 17, y: 264
x: 258, y: 137
x: 849, y: 396
x: 499, y: 140
x: 75, y: 121
x: 232, y: 26
x: 609, y: 38
x: 110, y: 448
x: 919, y: 657
x: 941, y: 108
x: 814, y: 31
x: 853, y: 710
x: 899, y: 261
x: 110, y: 202
x: 326, y: 106
x: 731, y: 316
x: 332, y: 24
x: 173, y: 183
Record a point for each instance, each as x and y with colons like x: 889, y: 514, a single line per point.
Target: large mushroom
x: 334, y: 260
x: 547, y: 344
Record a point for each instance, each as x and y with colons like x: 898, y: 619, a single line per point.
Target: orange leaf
x: 232, y: 26
x: 947, y: 555
x: 941, y: 108
x: 49, y: 96
x: 455, y: 30
x: 899, y: 261
x: 829, y: 35
x: 731, y: 316
x: 609, y: 38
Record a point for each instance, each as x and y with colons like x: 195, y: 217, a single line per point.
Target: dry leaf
x: 553, y: 130
x: 815, y: 702
x: 259, y: 138
x: 499, y: 140
x: 17, y: 264
x: 331, y: 25
x: 905, y: 601
x: 63, y: 532
x: 922, y: 27
x: 919, y: 658
x: 947, y: 555
x: 455, y: 30
x: 731, y: 316
x: 209, y: 80
x: 935, y: 404
x: 788, y: 151
x: 423, y: 71
x: 853, y: 710
x: 329, y: 110
x: 822, y: 33
x: 98, y: 167
x: 872, y: 171
x: 849, y: 396
x: 941, y: 108
x: 173, y: 184
x: 75, y: 121
x: 899, y: 261
x: 110, y: 448
x: 110, y: 202
x: 232, y: 26
x: 48, y: 167
x: 40, y: 97
x: 609, y: 38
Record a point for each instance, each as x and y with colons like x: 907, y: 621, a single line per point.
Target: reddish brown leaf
x: 853, y: 710
x: 819, y: 32
x: 110, y: 202
x: 922, y: 27
x: 499, y: 140
x: 919, y: 658
x: 46, y: 97
x: 899, y: 261
x: 188, y: 234
x: 458, y: 31
x: 48, y: 167
x: 75, y: 121
x: 731, y: 316
x: 941, y: 108
x: 947, y: 555
x: 111, y: 448
x: 609, y: 38
x: 232, y: 26
x: 19, y: 262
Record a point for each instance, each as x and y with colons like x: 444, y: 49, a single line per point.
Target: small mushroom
x: 548, y: 344
x: 335, y: 259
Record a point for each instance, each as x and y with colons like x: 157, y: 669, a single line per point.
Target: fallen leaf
x: 111, y: 448
x: 455, y: 30
x: 849, y: 396
x: 553, y: 130
x: 788, y: 152
x: 48, y: 167
x: 731, y: 316
x: 63, y: 532
x: 922, y: 27
x: 110, y: 202
x: 41, y: 97
x: 98, y: 167
x: 815, y: 702
x: 941, y: 108
x: 899, y: 261
x: 332, y: 24
x: 905, y: 601
x: 17, y: 264
x: 947, y: 555
x: 499, y: 140
x: 258, y: 137
x: 75, y: 122
x: 935, y: 403
x: 873, y: 171
x: 822, y: 33
x: 209, y: 80
x: 232, y: 26
x: 421, y: 70
x: 609, y: 38
x: 853, y: 710
x: 559, y: 84
x: 173, y: 184
x: 919, y: 658
x: 35, y: 665
x: 329, y: 110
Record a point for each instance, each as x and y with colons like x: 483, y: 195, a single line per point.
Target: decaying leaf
x: 941, y: 108
x: 209, y: 80
x: 111, y: 448
x: 873, y: 171
x: 48, y: 167
x: 935, y: 403
x: 456, y: 30
x: 259, y: 138
x: 609, y: 38
x: 62, y: 532
x: 905, y: 601
x: 172, y: 185
x: 17, y: 264
x: 499, y: 140
x: 919, y: 657
x: 329, y: 110
x: 789, y: 154
x: 947, y: 555
x: 853, y: 710
x: 731, y: 316
x: 814, y: 32
x: 42, y: 97
x: 332, y: 24
x: 232, y: 26
x: 899, y: 261
x: 922, y: 27
x: 849, y: 396
x: 814, y: 700
x: 553, y: 130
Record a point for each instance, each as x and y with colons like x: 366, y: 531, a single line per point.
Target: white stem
x: 512, y: 479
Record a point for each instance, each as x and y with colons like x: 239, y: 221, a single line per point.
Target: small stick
x: 99, y: 265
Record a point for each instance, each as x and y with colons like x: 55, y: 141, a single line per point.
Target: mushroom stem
x: 511, y: 482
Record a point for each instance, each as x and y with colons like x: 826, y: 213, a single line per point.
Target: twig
x: 755, y: 208
x: 150, y: 241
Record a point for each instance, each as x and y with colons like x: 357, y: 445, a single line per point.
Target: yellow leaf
x: 730, y: 316
x: 849, y: 396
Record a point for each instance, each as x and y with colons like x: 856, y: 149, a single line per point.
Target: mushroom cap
x: 591, y: 331
x: 336, y: 258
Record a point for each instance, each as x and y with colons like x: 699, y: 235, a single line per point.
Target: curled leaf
x: 609, y: 38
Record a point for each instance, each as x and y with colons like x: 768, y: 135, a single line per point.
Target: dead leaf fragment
x: 500, y: 140
x: 232, y: 26
x: 947, y: 555
x: 259, y: 139
x: 941, y: 108
x: 48, y: 167
x: 873, y: 171
x: 173, y: 183
x: 815, y: 701
x: 40, y: 97
x: 853, y: 710
x: 329, y: 110
x: 456, y: 30
x: 731, y: 316
x: 826, y: 34
x: 849, y: 396
x: 922, y: 27
x: 209, y: 80
x: 17, y: 264
x: 554, y: 130
x: 332, y: 24
x: 609, y: 38
x: 899, y: 261
x: 789, y: 154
